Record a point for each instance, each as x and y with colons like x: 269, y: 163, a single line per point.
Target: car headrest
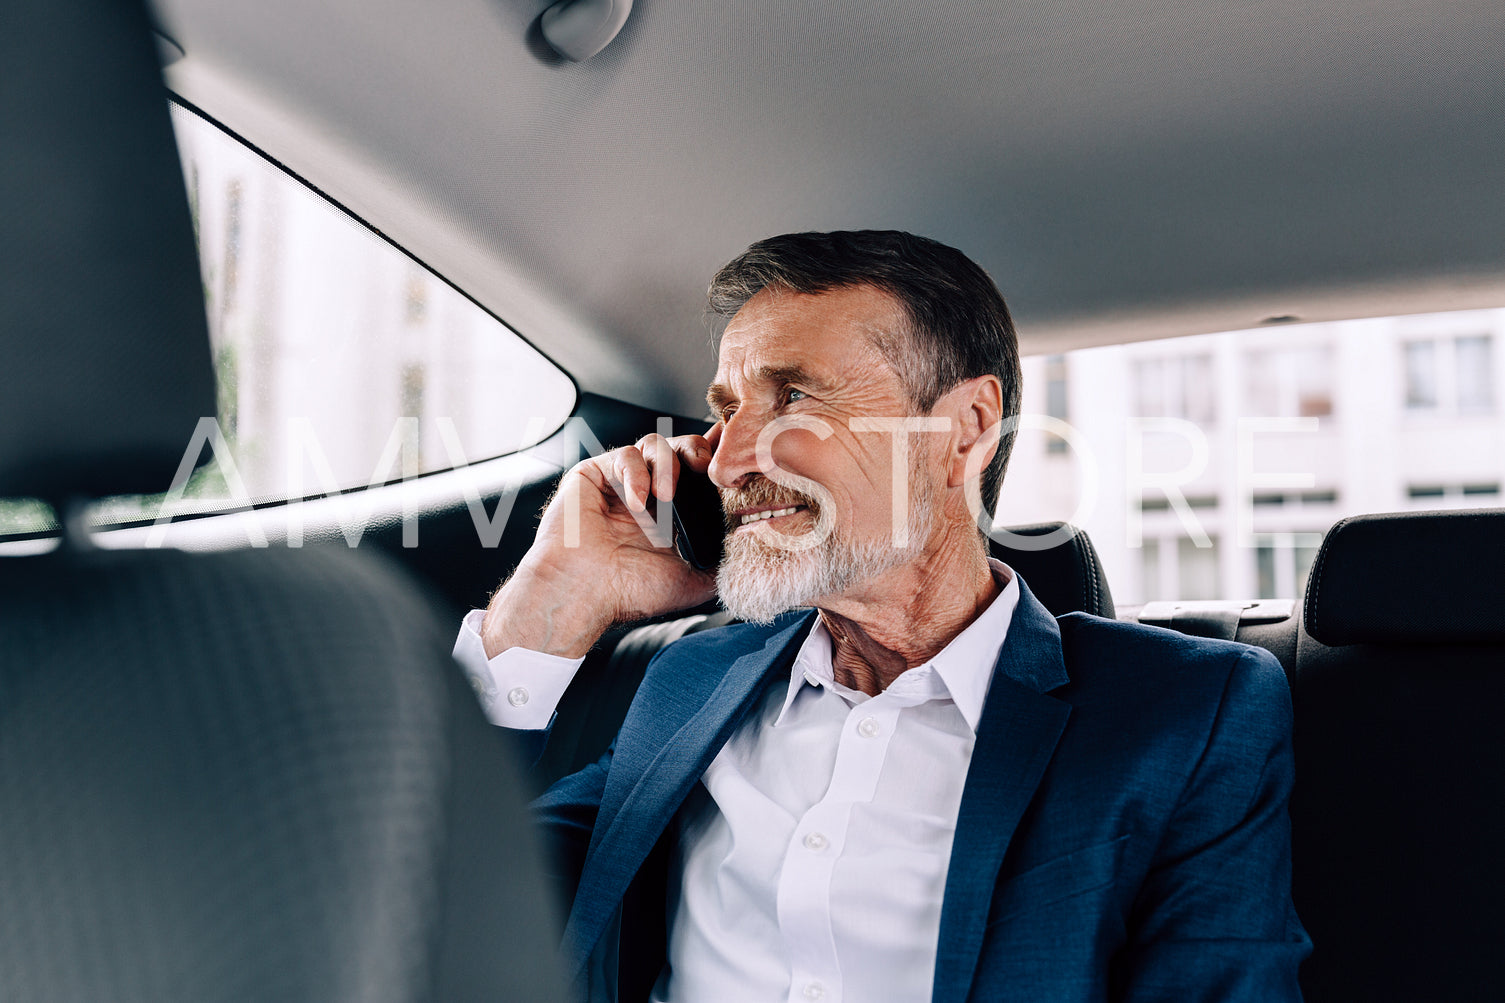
x: 1067, y: 577
x: 102, y: 329
x: 1409, y: 578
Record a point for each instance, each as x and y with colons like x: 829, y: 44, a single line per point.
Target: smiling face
x: 808, y: 498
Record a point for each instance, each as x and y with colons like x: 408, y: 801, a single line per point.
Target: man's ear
x: 976, y: 409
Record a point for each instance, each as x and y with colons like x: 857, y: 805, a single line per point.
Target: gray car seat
x: 223, y: 776
x: 1398, y: 813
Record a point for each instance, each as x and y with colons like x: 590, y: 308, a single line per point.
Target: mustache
x: 760, y: 492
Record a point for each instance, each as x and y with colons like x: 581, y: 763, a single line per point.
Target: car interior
x: 232, y: 775
x: 233, y: 766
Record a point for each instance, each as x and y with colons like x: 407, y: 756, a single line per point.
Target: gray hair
x: 958, y: 324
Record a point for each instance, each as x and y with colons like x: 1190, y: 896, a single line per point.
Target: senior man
x: 901, y: 778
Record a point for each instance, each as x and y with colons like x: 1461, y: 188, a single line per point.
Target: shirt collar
x: 964, y: 665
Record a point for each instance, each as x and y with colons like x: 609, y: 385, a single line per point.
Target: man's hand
x: 570, y: 587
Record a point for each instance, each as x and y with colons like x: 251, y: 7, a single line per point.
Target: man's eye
x: 793, y: 395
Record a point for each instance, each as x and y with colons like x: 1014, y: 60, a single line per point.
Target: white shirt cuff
x: 519, y: 688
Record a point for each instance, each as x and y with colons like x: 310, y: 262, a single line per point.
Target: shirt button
x: 869, y: 727
x: 814, y: 991
x: 815, y: 841
x: 517, y: 697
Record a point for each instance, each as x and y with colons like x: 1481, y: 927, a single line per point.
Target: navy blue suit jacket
x: 1122, y: 834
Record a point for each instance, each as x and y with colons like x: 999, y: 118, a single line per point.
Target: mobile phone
x: 699, y: 525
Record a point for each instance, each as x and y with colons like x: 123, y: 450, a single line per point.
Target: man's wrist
x: 535, y: 610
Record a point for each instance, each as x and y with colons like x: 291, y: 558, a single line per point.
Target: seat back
x: 1398, y: 813
x: 1061, y: 565
x: 239, y: 776
x: 223, y: 776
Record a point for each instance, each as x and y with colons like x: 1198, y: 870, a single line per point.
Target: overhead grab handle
x: 578, y: 29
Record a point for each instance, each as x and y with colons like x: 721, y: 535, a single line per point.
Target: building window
x: 1421, y: 374
x: 1056, y: 399
x: 1450, y: 375
x: 1161, y: 503
x: 1475, y: 356
x: 1149, y: 570
x: 1289, y: 382
x: 1477, y: 492
x: 1174, y: 567
x: 1264, y: 565
x: 1312, y: 378
x: 1282, y: 565
x: 1296, y: 498
x: 1149, y: 388
x: 1196, y: 570
x: 1176, y: 387
x: 1198, y: 394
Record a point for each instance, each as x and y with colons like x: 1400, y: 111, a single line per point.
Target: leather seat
x: 1398, y: 813
x: 235, y: 776
x: 1067, y: 576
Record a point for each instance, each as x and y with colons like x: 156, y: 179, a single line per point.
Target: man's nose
x: 736, y: 455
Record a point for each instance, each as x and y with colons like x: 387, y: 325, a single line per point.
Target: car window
x: 331, y: 345
x: 340, y: 361
x: 1210, y: 466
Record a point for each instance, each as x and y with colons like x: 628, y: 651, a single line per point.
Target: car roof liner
x: 1129, y: 172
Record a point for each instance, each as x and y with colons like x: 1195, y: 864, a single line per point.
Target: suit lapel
x: 1016, y: 736
x: 628, y: 828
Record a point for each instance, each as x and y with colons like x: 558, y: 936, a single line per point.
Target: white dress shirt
x: 813, y: 855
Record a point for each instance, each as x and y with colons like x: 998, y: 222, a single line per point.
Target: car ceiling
x: 1133, y: 170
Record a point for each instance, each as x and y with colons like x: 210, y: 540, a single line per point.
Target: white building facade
x: 1210, y: 466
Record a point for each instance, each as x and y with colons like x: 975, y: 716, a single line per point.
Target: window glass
x: 1263, y: 382
x: 20, y: 516
x: 1197, y: 570
x: 1312, y: 381
x: 1149, y: 567
x: 1327, y: 420
x: 341, y: 361
x: 1475, y: 355
x: 1421, y: 374
x: 1149, y: 388
x: 1180, y: 386
x: 1198, y: 390
x: 1288, y: 382
x: 1265, y: 565
x: 1056, y: 405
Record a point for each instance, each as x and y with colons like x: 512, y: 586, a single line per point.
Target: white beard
x: 758, y: 579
